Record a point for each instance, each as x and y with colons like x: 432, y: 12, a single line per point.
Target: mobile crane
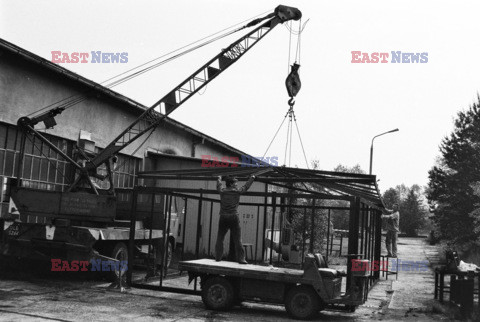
x: 81, y: 219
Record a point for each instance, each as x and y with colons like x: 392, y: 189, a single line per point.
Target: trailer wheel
x: 302, y: 302
x: 217, y: 293
x: 120, y: 252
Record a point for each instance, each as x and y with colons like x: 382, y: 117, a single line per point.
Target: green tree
x: 355, y: 169
x: 390, y: 197
x: 305, y: 224
x: 340, y: 217
x: 413, y: 214
x: 451, y: 193
x: 476, y: 212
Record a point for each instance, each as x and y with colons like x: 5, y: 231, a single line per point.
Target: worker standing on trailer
x: 392, y: 226
x: 229, y: 200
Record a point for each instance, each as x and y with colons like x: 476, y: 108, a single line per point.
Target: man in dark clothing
x: 392, y: 226
x: 229, y: 200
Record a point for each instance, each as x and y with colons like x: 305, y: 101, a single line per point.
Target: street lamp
x: 371, y: 147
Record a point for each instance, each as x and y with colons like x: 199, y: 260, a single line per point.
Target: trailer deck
x: 234, y: 269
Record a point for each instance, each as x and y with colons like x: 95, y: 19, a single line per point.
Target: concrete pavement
x: 410, y: 296
x: 27, y: 298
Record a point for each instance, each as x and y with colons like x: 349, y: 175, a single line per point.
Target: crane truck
x: 81, y: 220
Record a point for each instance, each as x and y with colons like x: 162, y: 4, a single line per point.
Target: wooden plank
x: 210, y: 266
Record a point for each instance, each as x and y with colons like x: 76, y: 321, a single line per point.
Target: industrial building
x: 29, y: 83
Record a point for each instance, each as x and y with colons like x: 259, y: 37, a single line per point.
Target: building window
x: 43, y: 168
x: 124, y: 173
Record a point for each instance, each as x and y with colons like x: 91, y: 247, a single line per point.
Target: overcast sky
x: 341, y: 105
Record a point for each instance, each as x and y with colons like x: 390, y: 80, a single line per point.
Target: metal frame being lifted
x: 360, y: 191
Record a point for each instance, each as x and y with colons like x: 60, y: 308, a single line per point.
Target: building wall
x: 26, y: 87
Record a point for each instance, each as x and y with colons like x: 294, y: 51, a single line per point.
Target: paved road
x: 410, y: 296
x: 25, y: 298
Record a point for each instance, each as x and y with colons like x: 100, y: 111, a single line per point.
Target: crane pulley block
x: 286, y: 13
x: 293, y: 83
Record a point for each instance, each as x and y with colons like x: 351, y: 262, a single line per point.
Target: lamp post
x: 371, y: 147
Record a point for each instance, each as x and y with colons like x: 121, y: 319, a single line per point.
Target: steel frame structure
x: 359, y: 191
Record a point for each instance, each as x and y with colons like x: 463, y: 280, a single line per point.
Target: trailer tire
x: 119, y: 252
x: 218, y: 293
x: 301, y: 302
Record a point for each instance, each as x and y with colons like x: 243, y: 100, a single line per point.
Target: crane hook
x: 293, y: 83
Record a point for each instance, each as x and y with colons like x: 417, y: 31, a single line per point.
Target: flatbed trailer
x: 303, y: 292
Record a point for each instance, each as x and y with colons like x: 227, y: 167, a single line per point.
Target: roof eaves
x: 29, y: 56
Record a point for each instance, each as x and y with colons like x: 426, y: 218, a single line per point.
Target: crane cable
x: 289, y: 47
x: 82, y: 97
x: 78, y: 98
x: 301, y: 142
x: 293, y: 86
x: 289, y: 137
x: 148, y: 68
x: 299, y: 39
x: 300, y: 31
x: 174, y: 57
x: 296, y: 32
x: 276, y: 133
